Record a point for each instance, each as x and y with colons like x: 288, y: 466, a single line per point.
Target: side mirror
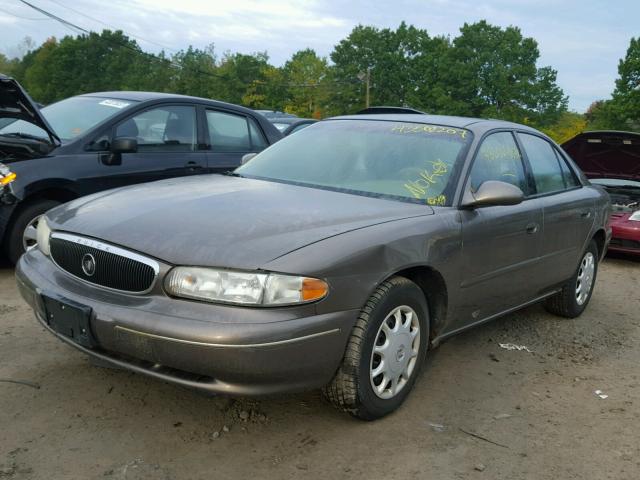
x: 493, y: 193
x: 247, y: 157
x: 124, y: 145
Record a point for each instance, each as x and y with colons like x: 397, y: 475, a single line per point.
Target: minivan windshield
x: 399, y: 160
x: 71, y: 117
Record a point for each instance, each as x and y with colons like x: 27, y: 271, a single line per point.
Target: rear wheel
x: 574, y: 297
x: 384, y: 354
x: 22, y: 232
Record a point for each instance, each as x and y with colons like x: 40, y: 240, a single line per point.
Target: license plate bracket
x: 69, y: 318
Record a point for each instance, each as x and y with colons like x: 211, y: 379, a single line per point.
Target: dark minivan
x: 98, y: 141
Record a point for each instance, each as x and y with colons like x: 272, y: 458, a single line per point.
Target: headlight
x: 6, y: 175
x: 243, y: 288
x: 635, y: 216
x: 44, y: 232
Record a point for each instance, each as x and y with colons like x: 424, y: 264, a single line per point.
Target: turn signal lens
x: 313, y: 289
x: 7, y: 179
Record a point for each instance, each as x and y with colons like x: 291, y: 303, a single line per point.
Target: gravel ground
x: 478, y: 410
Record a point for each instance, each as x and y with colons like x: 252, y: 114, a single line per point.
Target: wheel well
x: 57, y: 194
x: 600, y: 238
x: 434, y: 288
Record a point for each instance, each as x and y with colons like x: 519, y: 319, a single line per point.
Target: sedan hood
x: 224, y: 221
x: 15, y: 103
x: 606, y: 154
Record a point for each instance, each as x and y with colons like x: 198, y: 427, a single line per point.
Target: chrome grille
x: 113, y: 267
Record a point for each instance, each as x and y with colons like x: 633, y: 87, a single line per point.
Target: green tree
x: 306, y: 75
x: 568, y: 126
x: 392, y: 56
x: 624, y: 110
x: 493, y: 73
x: 7, y: 66
x: 238, y: 73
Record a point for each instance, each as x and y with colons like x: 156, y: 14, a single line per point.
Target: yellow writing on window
x: 427, y: 177
x: 439, y: 201
x: 413, y: 128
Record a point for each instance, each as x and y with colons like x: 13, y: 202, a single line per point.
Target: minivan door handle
x: 586, y: 214
x: 532, y: 228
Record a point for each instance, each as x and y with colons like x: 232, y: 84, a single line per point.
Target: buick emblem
x: 88, y: 265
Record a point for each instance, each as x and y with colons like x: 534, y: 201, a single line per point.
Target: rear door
x: 231, y: 135
x: 568, y: 213
x: 501, y: 244
x: 167, y: 138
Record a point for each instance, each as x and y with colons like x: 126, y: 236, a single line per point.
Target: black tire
x: 13, y: 239
x: 565, y: 303
x: 351, y: 389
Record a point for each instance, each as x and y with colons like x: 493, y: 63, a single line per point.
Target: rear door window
x: 545, y: 166
x: 229, y: 132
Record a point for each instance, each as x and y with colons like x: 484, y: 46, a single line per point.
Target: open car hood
x: 606, y: 154
x: 16, y: 103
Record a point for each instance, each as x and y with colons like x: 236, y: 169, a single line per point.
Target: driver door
x: 167, y: 138
x: 500, y: 244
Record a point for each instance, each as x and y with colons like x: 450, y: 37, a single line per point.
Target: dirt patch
x: 478, y: 411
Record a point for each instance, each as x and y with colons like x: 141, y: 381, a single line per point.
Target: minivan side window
x: 170, y: 128
x: 229, y: 132
x: 544, y: 164
x: 498, y: 158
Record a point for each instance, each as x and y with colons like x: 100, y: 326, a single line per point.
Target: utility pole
x: 368, y: 86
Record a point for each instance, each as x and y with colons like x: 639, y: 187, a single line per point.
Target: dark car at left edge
x: 98, y: 141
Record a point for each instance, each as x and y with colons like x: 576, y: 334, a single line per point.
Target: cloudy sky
x: 582, y: 39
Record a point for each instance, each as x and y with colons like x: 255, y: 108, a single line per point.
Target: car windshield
x: 71, y: 117
x: 404, y: 161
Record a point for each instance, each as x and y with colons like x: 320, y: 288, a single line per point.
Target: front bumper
x: 194, y: 344
x: 625, y: 238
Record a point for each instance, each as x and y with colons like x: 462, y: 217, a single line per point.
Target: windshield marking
x: 429, y: 129
x: 114, y: 103
x: 419, y: 187
x: 439, y: 201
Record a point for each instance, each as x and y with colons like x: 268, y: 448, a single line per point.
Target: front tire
x: 385, y: 352
x: 574, y: 297
x: 21, y: 234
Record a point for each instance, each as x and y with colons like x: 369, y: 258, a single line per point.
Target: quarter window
x: 544, y: 164
x: 498, y: 158
x: 570, y: 179
x: 233, y: 133
x: 163, y: 129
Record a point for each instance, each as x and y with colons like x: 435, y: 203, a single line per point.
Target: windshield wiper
x: 231, y: 173
x: 25, y: 135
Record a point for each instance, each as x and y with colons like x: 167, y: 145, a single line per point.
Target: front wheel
x: 574, y: 297
x: 384, y: 354
x: 22, y: 232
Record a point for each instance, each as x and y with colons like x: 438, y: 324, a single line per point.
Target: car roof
x: 447, y: 120
x: 149, y: 96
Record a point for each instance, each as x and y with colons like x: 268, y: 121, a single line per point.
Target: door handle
x: 192, y: 166
x: 586, y: 214
x: 532, y: 228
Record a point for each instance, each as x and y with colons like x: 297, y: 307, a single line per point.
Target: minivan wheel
x: 574, y: 297
x: 384, y: 354
x: 22, y: 232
